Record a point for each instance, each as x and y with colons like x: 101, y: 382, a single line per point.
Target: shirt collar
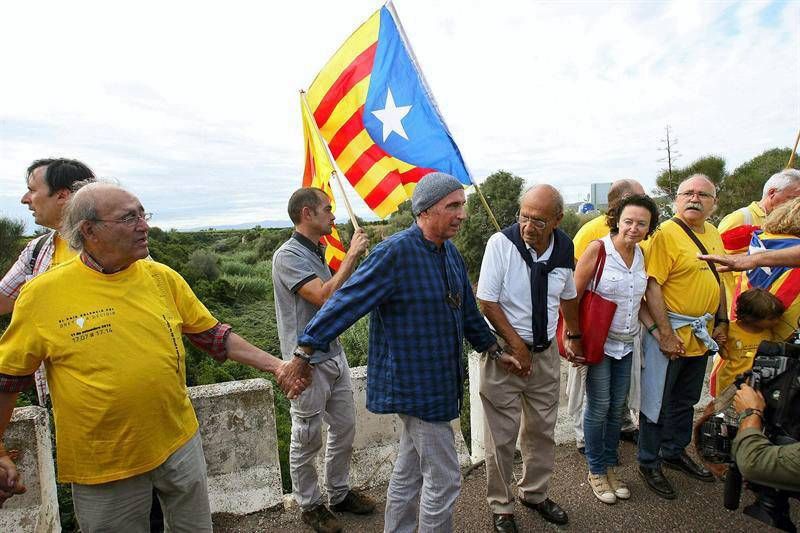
x: 546, y: 254
x: 430, y: 245
x: 757, y: 209
x: 89, y: 261
x: 308, y: 243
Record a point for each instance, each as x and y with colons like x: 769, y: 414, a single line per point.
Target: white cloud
x: 194, y: 105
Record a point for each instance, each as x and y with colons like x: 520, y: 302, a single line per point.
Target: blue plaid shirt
x: 416, y: 335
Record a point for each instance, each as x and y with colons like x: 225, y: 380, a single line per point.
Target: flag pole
x: 794, y: 150
x: 390, y: 7
x: 485, y: 205
x: 335, y: 174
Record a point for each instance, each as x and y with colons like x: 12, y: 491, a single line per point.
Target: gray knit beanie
x: 432, y: 188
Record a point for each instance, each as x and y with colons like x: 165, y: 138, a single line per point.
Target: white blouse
x: 625, y: 287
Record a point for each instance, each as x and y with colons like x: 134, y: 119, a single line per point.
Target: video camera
x: 776, y: 374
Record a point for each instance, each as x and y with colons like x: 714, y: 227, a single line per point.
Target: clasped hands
x: 294, y: 377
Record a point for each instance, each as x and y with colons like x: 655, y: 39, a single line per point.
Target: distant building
x: 599, y: 195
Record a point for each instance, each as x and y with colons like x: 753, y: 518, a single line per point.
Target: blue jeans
x: 670, y: 436
x: 607, y: 385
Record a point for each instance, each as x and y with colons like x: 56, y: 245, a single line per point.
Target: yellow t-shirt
x: 61, y: 252
x: 591, y: 231
x: 741, y: 347
x: 115, y: 363
x: 687, y: 283
x: 735, y: 243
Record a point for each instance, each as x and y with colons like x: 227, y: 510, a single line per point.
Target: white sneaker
x: 619, y: 487
x: 601, y: 488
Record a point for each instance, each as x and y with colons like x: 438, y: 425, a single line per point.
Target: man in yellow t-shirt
x: 680, y: 288
x: 116, y: 364
x: 736, y: 228
x: 50, y: 184
x: 595, y: 229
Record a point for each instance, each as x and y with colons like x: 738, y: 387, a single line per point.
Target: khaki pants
x: 509, y: 400
x: 123, y: 506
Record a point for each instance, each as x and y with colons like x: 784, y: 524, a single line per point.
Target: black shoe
x: 504, y: 523
x: 549, y: 510
x: 685, y: 464
x: 655, y: 481
x: 630, y: 435
x: 355, y: 502
x: 321, y: 520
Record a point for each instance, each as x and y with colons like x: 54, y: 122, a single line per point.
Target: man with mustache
x: 50, y: 183
x: 116, y: 364
x: 687, y: 302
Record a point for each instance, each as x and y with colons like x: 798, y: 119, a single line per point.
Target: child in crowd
x: 757, y: 312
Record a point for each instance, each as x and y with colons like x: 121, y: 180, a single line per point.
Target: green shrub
x: 355, y: 342
x: 250, y: 286
x: 232, y: 267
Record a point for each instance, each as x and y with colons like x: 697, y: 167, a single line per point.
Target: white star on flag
x: 392, y: 117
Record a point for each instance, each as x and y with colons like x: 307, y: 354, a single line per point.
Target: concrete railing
x: 237, y: 424
x: 36, y: 511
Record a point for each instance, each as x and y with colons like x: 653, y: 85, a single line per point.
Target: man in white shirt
x: 526, y: 275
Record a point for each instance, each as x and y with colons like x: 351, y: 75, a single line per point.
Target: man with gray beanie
x: 416, y: 287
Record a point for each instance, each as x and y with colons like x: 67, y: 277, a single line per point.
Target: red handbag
x: 595, y: 316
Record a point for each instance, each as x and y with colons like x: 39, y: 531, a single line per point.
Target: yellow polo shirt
x: 687, y: 283
x: 591, y: 231
x: 61, y: 252
x: 115, y: 361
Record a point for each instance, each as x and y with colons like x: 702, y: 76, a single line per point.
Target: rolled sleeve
x: 212, y: 341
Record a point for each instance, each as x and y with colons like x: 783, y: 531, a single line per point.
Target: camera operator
x: 757, y: 458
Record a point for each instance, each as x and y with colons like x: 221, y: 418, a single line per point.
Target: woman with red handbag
x: 612, y: 271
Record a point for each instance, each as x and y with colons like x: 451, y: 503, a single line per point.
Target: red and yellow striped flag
x: 317, y: 173
x: 378, y: 117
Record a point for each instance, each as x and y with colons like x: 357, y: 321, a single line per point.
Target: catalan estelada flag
x: 783, y: 282
x: 317, y: 173
x: 378, y: 116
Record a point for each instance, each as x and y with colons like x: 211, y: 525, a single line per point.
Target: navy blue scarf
x: 562, y: 257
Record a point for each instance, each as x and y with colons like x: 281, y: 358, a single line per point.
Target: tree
x: 671, y: 155
x: 746, y: 183
x: 10, y: 242
x: 501, y: 190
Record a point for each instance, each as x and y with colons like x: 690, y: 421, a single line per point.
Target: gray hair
x: 781, y: 180
x: 556, y: 196
x: 82, y: 207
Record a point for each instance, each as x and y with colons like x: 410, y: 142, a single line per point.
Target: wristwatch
x: 495, y: 354
x: 299, y: 352
x: 750, y: 411
x: 573, y: 336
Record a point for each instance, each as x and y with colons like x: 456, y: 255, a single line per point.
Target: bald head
x: 622, y: 188
x: 544, y: 194
x: 698, y: 182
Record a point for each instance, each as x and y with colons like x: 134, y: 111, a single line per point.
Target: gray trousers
x: 329, y: 398
x: 509, y: 400
x: 426, y: 479
x: 123, y: 506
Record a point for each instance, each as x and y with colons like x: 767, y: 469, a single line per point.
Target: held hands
x: 10, y: 483
x: 516, y: 359
x: 720, y: 334
x: 574, y: 351
x: 293, y: 377
x: 671, y: 345
x: 359, y: 243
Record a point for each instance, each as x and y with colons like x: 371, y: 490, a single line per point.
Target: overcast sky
x: 193, y: 105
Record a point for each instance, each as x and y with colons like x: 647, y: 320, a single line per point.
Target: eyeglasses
x: 128, y: 220
x: 701, y: 194
x: 538, y: 223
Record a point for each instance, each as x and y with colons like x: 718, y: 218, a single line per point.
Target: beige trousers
x: 509, y: 400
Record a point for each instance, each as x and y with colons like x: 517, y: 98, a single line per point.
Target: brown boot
x: 355, y: 502
x: 321, y: 519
